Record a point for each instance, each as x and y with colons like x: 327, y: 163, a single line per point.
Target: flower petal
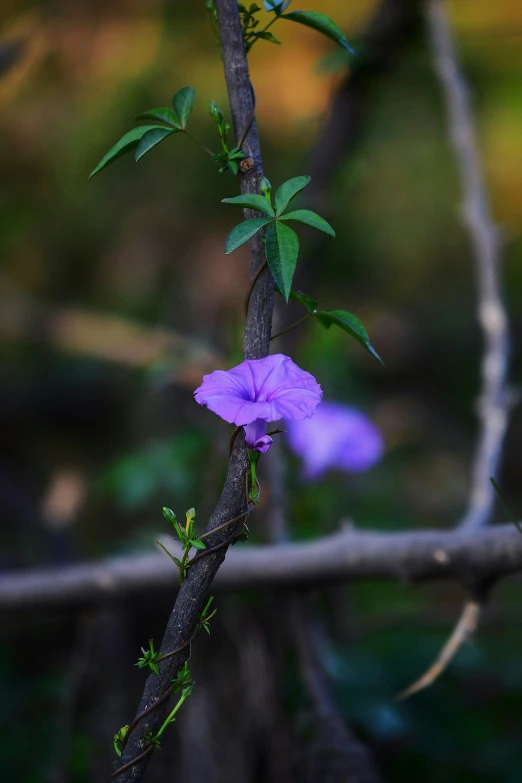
x: 336, y: 437
x: 268, y: 389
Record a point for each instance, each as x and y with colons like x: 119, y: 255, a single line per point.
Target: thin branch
x: 292, y: 326
x: 494, y: 399
x: 463, y: 631
x: 409, y: 557
x: 193, y: 592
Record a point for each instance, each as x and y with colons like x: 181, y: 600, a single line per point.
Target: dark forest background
x: 116, y: 296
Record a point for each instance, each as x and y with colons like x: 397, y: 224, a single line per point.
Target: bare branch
x: 409, y: 557
x: 494, y: 399
x: 494, y: 402
x: 108, y: 338
x: 342, y: 757
x: 391, y: 29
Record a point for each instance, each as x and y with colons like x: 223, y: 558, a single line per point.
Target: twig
x: 494, y: 401
x: 292, y: 326
x: 464, y: 629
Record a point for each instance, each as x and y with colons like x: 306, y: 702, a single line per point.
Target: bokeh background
x: 116, y: 296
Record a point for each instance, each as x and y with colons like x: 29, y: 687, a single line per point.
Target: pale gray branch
x: 346, y: 556
x: 494, y: 398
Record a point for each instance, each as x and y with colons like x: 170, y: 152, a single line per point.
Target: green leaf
x: 282, y: 248
x: 163, y: 113
x: 320, y: 22
x: 252, y: 201
x: 266, y: 35
x: 243, y: 232
x: 183, y: 102
x: 198, y: 544
x: 303, y: 299
x: 125, y: 144
x: 151, y: 138
x: 236, y: 154
x: 288, y: 190
x: 349, y: 323
x: 310, y: 219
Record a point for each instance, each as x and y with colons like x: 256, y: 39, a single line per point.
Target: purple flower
x: 337, y: 437
x: 257, y: 391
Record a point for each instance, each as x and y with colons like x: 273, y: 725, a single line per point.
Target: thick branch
x: 393, y: 26
x: 193, y: 593
x: 493, y: 405
x: 108, y: 338
x: 409, y: 557
x: 342, y: 757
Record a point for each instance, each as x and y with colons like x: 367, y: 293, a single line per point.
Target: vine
x: 261, y: 389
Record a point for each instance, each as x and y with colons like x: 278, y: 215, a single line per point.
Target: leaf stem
x: 292, y: 326
x: 171, y: 716
x: 254, y: 36
x: 198, y: 141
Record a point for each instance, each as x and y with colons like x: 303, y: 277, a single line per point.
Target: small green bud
x: 266, y: 187
x: 216, y: 112
x: 119, y: 739
x: 169, y: 515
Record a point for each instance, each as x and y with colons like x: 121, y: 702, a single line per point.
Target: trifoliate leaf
x: 252, y: 201
x: 310, y: 218
x: 163, y: 113
x: 288, y: 190
x: 151, y: 138
x: 243, y: 232
x: 320, y: 22
x: 349, y: 323
x: 282, y: 249
x: 298, y: 296
x: 127, y: 143
x: 183, y: 103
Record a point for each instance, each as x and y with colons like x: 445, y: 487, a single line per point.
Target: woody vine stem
x: 273, y: 387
